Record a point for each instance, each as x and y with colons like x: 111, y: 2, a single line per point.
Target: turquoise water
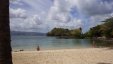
x: 48, y: 43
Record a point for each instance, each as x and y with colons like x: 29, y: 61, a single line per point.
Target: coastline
x: 65, y: 56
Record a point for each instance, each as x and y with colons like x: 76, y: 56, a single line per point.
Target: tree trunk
x: 5, y: 46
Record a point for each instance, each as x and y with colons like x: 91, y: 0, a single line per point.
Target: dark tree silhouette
x: 5, y: 46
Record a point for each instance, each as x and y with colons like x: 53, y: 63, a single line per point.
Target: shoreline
x: 65, y: 56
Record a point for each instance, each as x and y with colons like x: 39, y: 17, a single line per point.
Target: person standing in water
x: 38, y: 48
x: 94, y: 44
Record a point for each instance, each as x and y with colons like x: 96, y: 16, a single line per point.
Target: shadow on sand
x: 103, y: 63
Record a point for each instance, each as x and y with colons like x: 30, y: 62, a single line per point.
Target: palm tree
x: 5, y: 46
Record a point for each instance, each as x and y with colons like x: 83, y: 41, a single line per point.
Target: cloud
x: 59, y: 15
x: 17, y: 13
x: 73, y: 24
x: 43, y: 15
x: 17, y: 2
x: 93, y: 7
x: 28, y: 19
x: 95, y: 20
x: 92, y: 12
x: 21, y: 22
x: 59, y: 11
x: 32, y: 23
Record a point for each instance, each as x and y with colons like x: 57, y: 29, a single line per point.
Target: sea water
x: 30, y: 43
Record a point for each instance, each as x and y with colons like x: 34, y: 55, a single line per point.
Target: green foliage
x: 95, y: 31
x: 105, y: 29
x: 76, y: 33
x: 58, y: 32
x: 108, y: 28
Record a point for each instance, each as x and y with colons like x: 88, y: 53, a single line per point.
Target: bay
x: 30, y: 43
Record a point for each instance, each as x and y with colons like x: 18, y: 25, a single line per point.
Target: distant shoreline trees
x: 65, y: 33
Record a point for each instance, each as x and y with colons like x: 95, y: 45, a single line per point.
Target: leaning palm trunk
x: 5, y: 46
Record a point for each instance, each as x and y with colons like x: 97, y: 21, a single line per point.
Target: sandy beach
x: 68, y: 56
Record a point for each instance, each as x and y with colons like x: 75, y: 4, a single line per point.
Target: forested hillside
x: 103, y: 30
x: 61, y: 32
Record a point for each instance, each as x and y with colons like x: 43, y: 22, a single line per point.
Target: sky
x: 44, y: 15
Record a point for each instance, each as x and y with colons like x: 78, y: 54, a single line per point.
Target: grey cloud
x: 31, y: 23
x: 93, y: 7
x: 17, y: 2
x: 18, y: 13
x: 59, y: 11
x: 93, y: 10
x: 58, y: 15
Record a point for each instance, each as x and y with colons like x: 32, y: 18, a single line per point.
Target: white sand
x: 70, y: 56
